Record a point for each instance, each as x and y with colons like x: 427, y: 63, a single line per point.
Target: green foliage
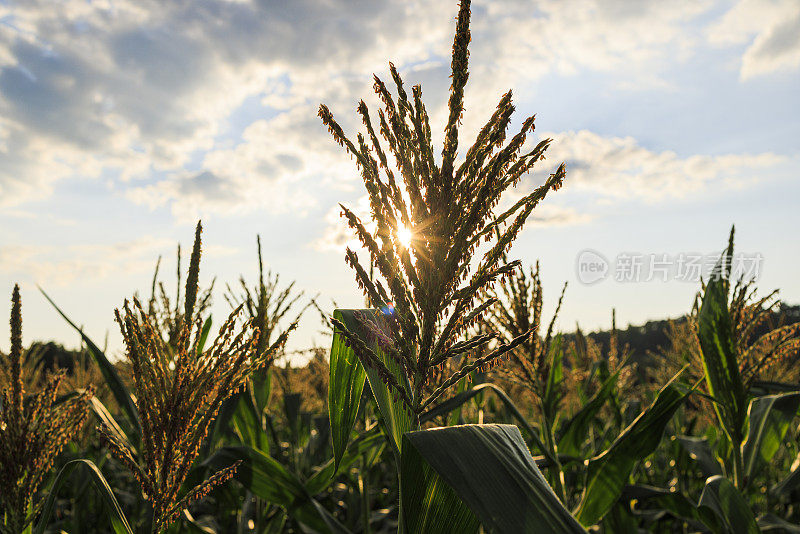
x: 490, y: 469
x: 219, y: 438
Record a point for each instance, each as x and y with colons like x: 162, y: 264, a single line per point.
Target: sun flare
x: 404, y: 236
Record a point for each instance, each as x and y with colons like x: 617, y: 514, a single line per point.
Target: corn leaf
x: 675, y: 503
x: 429, y: 503
x: 722, y: 497
x: 345, y: 386
x: 116, y: 517
x: 201, y: 343
x: 718, y: 349
x: 104, y: 416
x: 699, y: 450
x: 259, y: 473
x: 246, y: 423
x: 771, y: 523
x: 265, y: 477
x: 398, y: 420
x: 110, y: 375
x: 577, y: 427
x: 364, y: 443
x: 608, y: 473
x: 769, y: 420
x: 459, y: 399
x: 791, y: 481
x: 487, y: 467
x: 552, y: 391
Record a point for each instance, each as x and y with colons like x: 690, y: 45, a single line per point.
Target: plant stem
x: 738, y: 465
x: 550, y: 443
x: 363, y: 486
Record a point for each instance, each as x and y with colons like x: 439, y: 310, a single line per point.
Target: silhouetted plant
x: 179, y: 389
x: 431, y: 214
x: 33, y: 431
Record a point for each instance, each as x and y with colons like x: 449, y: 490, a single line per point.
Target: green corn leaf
x: 608, y: 473
x: 265, y: 477
x: 718, y: 349
x: 204, y: 334
x: 345, y: 386
x: 722, y: 497
x: 104, y: 416
x: 291, y: 408
x: 193, y: 526
x: 398, y: 420
x: 110, y: 375
x: 775, y: 525
x: 675, y: 503
x: 116, y: 517
x: 364, y: 443
x: 259, y: 473
x: 261, y: 386
x: 459, y: 399
x: 700, y: 451
x: 429, y: 503
x: 769, y: 419
x: 577, y: 427
x: 791, y: 482
x: 246, y: 422
x: 552, y: 391
x: 486, y: 467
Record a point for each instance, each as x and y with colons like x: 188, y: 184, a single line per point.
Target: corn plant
x: 179, y: 389
x: 448, y: 210
x: 748, y: 427
x: 165, y: 313
x: 33, y: 431
x: 427, y: 289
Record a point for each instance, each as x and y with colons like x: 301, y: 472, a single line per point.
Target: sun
x: 404, y: 236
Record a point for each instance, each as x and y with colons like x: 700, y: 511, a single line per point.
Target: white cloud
x: 337, y: 234
x: 136, y: 88
x: 769, y: 28
x: 133, y: 87
x: 214, y: 102
x: 60, y: 266
x: 619, y: 167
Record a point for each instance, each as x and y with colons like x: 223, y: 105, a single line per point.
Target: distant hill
x: 651, y: 336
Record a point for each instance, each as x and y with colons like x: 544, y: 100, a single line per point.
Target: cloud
x: 554, y: 215
x: 620, y: 168
x: 148, y: 89
x: 131, y: 88
x: 59, y: 266
x: 771, y: 31
x: 337, y: 235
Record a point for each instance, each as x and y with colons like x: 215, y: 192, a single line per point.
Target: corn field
x: 448, y: 404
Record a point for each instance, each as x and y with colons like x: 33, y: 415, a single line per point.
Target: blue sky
x: 123, y: 122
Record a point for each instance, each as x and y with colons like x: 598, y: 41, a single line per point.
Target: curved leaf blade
x: 458, y: 399
x: 608, y: 472
x: 717, y: 346
x: 345, y: 387
x: 429, y: 503
x: 699, y: 450
x: 722, y: 497
x: 577, y: 427
x: 491, y: 470
x: 398, y: 420
x: 117, y: 518
x: 769, y: 417
x: 110, y: 375
x: 267, y: 478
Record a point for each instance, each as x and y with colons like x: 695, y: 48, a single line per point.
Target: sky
x: 123, y: 122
